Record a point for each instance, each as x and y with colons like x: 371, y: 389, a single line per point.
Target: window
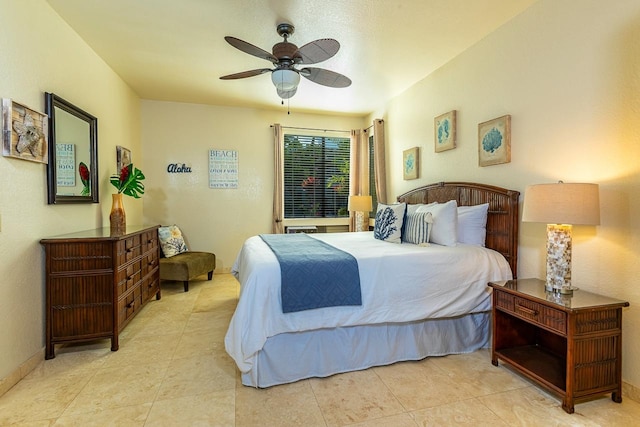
x: 316, y: 176
x: 372, y: 179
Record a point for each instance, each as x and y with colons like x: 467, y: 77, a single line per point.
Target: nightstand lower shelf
x: 537, y: 363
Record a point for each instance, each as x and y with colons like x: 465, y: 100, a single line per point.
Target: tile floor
x: 172, y: 370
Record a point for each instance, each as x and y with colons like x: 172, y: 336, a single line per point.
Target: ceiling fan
x: 286, y: 56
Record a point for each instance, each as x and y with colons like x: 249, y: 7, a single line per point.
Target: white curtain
x: 355, y: 170
x: 379, y: 166
x: 278, y: 170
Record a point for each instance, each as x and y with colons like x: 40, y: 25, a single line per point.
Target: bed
x: 410, y: 309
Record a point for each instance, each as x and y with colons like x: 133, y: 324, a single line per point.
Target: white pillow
x: 445, y: 222
x: 472, y: 224
x: 389, y: 219
x: 417, y: 227
x: 414, y: 207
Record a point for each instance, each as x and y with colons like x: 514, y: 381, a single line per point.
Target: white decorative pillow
x: 414, y: 207
x: 171, y: 241
x: 472, y: 224
x: 445, y: 222
x: 389, y: 219
x: 417, y: 227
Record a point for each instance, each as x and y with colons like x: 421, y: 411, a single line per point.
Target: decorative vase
x: 117, y: 217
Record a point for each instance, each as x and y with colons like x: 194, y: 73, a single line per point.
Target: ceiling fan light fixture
x: 286, y: 94
x: 285, y: 80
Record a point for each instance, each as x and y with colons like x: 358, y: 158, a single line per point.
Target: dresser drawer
x: 150, y: 287
x: 149, y: 263
x: 129, y: 249
x: 539, y: 314
x: 128, y: 306
x: 128, y: 277
x: 80, y: 257
x: 149, y: 241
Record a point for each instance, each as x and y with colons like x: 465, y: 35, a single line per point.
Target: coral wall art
x: 445, y: 131
x: 410, y: 163
x: 25, y: 132
x: 494, y: 141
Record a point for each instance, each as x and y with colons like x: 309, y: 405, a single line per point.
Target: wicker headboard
x: 502, y: 220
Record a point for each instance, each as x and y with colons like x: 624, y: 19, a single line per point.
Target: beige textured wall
x: 214, y: 219
x: 40, y: 53
x: 569, y: 74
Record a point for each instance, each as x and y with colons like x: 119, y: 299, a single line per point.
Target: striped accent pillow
x: 417, y: 228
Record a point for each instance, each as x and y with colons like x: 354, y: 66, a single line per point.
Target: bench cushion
x: 187, y: 265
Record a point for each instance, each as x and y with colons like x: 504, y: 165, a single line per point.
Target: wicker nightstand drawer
x: 541, y: 315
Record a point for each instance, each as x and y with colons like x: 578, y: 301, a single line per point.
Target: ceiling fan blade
x: 250, y: 49
x: 325, y: 77
x: 318, y: 50
x: 245, y: 74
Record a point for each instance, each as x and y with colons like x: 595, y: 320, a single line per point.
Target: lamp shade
x: 360, y: 204
x: 285, y: 80
x: 560, y: 203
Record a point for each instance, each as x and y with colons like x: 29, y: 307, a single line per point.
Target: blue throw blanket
x: 314, y: 273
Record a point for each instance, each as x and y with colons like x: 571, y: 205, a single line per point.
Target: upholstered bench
x: 178, y: 262
x: 187, y: 266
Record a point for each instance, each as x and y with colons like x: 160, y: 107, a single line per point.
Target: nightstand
x: 571, y: 345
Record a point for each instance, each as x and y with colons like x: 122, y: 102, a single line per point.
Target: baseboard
x: 22, y: 371
x: 630, y: 391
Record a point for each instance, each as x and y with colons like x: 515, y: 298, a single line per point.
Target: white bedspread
x: 399, y: 283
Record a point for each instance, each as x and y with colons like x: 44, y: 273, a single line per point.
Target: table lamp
x: 560, y: 206
x: 360, y: 205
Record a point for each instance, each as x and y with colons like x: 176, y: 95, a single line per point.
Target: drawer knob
x: 131, y: 304
x: 527, y: 310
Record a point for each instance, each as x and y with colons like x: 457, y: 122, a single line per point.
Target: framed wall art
x: 444, y: 127
x: 494, y: 141
x: 223, y: 169
x: 25, y: 132
x: 410, y: 163
x: 123, y: 157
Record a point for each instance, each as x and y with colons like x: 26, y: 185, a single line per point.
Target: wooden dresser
x: 569, y: 344
x: 97, y: 282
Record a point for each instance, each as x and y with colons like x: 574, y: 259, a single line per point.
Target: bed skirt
x: 290, y: 357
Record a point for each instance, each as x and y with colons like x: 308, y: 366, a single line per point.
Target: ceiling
x: 174, y: 50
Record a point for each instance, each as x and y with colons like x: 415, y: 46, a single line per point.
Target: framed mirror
x: 72, y: 172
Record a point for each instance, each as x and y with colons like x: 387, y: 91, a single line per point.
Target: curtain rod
x: 321, y: 130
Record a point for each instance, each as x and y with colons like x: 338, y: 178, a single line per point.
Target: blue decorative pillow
x: 171, y: 241
x: 389, y: 219
x: 417, y: 227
